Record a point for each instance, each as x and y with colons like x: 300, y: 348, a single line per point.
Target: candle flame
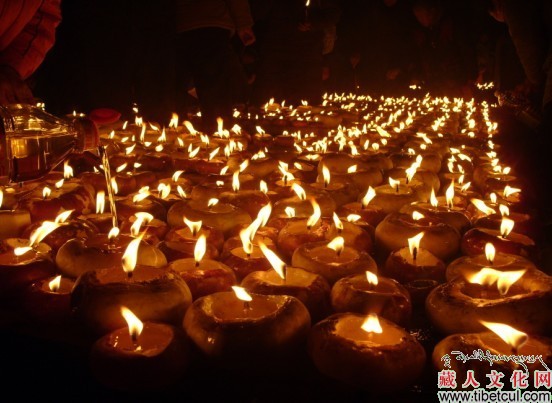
x: 121, y: 167
x: 490, y: 252
x: 352, y: 169
x: 353, y: 218
x: 42, y: 232
x: 174, y: 121
x: 504, y: 210
x: 21, y: 250
x: 67, y: 170
x: 1, y: 197
x: 263, y: 187
x: 130, y: 257
x: 508, y: 191
x: 176, y: 175
x: 135, y: 325
x: 140, y: 196
x: 337, y: 244
x: 465, y: 187
x: 326, y: 175
x: 488, y: 276
x: 317, y: 213
x: 194, y: 226
x: 299, y: 191
x: 414, y: 244
x: 506, y: 226
x: 100, y: 202
x: 513, y: 337
x: 62, y: 217
x: 370, y: 194
x: 290, y: 211
x: 181, y: 192
x: 46, y: 192
x: 190, y: 127
x: 394, y: 183
x: 114, y: 186
x: 449, y: 195
x: 481, y: 206
x: 493, y: 198
x: 337, y: 222
x: 433, y: 199
x: 277, y: 264
x: 241, y: 294
x: 59, y: 183
x: 372, y: 324
x: 212, y: 202
x: 416, y: 215
x: 236, y: 181
x: 246, y: 236
x: 141, y: 218
x: 264, y: 214
x: 55, y: 284
x: 372, y: 278
x: 113, y: 233
x: 200, y: 248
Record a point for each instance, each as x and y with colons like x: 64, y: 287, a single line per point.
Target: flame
x: 194, y: 226
x: 21, y: 250
x: 260, y: 130
x: 46, y: 192
x: 241, y: 294
x: 290, y: 211
x: 135, y: 325
x: 164, y: 190
x: 449, y: 195
x: 465, y: 187
x: 181, y: 192
x: 174, y: 121
x: 114, y: 186
x: 62, y: 217
x: 372, y: 278
x: 130, y: 149
x: 326, y: 175
x: 394, y: 183
x: 141, y: 218
x: 59, y: 183
x: 337, y: 244
x: 190, y: 127
x: 236, y: 181
x: 264, y: 214
x: 299, y: 191
x: 42, y: 232
x: 490, y: 252
x: 193, y: 152
x: 504, y: 210
x: 352, y: 169
x: 416, y: 215
x: 414, y: 244
x: 506, y: 226
x: 121, y: 167
x: 130, y: 257
x: 372, y: 324
x: 213, y: 153
x: 410, y: 172
x: 493, y: 198
x: 370, y: 194
x: 220, y: 125
x: 433, y: 199
x: 503, y: 279
x: 513, y: 337
x: 67, y: 170
x: 113, y: 233
x: 246, y: 236
x: 1, y: 197
x: 317, y: 213
x: 137, y: 198
x: 100, y: 202
x: 353, y: 218
x: 263, y: 187
x: 212, y: 202
x: 337, y: 222
x: 277, y: 264
x: 55, y: 284
x: 508, y: 191
x: 200, y: 248
x: 481, y: 206
x: 176, y: 175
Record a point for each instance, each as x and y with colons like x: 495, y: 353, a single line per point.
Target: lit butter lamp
x: 203, y: 276
x: 393, y: 196
x: 23, y: 261
x: 237, y: 330
x: 154, y: 293
x: 102, y: 251
x: 153, y: 229
x: 370, y: 213
x: 353, y: 234
x: 504, y: 240
x: 332, y: 260
x: 311, y: 289
x: 192, y: 230
x: 498, y: 339
x: 524, y: 223
x: 490, y: 258
x: 393, y: 233
x: 341, y: 193
x: 416, y: 268
x: 141, y: 356
x: 442, y: 210
x: 350, y: 169
x: 362, y: 293
x: 48, y: 300
x: 13, y: 221
x: 366, y: 352
x: 222, y: 216
x: 140, y: 202
x: 100, y: 219
x: 302, y: 203
x: 519, y: 297
x: 250, y: 201
x: 257, y: 231
x: 69, y: 228
x: 298, y: 232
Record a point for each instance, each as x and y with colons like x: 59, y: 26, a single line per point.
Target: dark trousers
x: 218, y: 76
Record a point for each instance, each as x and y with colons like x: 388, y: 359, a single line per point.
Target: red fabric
x: 27, y: 32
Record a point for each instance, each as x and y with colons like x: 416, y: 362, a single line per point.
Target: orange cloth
x: 27, y: 32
